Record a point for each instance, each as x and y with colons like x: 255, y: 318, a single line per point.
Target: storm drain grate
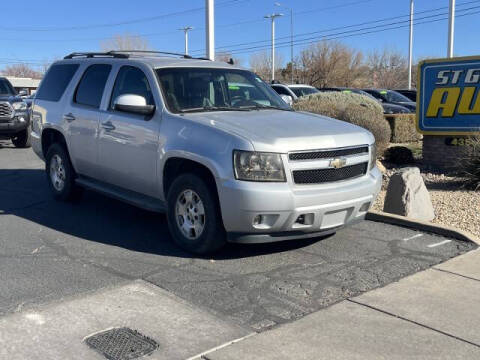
x: 121, y: 344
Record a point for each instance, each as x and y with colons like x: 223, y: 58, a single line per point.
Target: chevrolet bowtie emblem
x: 338, y: 163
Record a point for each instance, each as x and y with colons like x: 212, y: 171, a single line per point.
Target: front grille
x: 327, y: 154
x: 5, y: 110
x: 319, y: 176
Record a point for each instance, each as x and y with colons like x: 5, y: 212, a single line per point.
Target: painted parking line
x: 413, y: 237
x: 440, y: 243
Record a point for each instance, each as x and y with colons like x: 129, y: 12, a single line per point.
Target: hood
x: 10, y: 98
x: 394, y: 109
x: 408, y: 104
x: 285, y: 131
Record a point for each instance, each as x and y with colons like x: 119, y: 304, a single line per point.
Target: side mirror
x: 287, y: 98
x: 22, y: 93
x: 135, y: 104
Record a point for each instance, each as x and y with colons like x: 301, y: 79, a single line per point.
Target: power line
x: 301, y: 41
x: 344, y: 27
x: 114, y: 24
x: 242, y: 51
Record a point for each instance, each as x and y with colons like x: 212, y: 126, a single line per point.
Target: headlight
x: 20, y: 105
x: 255, y: 166
x: 373, y: 156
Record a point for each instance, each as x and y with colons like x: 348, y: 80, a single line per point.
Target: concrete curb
x: 442, y: 230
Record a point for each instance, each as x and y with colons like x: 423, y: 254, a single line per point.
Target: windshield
x: 390, y: 96
x: 303, y: 91
x: 203, y: 89
x: 6, y: 88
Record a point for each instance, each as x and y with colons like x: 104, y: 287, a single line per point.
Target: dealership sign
x: 448, y: 101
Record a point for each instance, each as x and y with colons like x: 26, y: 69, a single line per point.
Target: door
x: 128, y: 142
x: 83, y: 116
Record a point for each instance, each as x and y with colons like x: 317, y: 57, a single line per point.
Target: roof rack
x: 185, y: 56
x: 96, y: 54
x: 125, y: 54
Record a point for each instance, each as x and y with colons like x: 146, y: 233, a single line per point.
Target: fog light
x: 305, y: 219
x: 21, y: 119
x: 365, y: 207
x: 257, y: 220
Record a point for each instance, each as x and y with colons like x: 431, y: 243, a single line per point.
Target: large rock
x: 408, y: 196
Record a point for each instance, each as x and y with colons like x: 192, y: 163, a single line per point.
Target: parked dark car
x: 392, y: 97
x: 411, y: 94
x: 14, y: 117
x: 387, y: 107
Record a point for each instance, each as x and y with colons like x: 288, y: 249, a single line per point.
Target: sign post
x: 448, y: 108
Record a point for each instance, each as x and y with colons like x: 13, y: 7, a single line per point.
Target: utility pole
x: 210, y: 29
x: 451, y: 28
x: 291, y: 39
x: 272, y: 17
x: 185, y: 30
x: 410, y: 48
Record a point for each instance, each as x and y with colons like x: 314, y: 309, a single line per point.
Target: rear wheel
x: 194, y: 216
x: 60, y: 174
x: 22, y: 139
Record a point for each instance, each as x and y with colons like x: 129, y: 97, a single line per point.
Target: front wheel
x: 22, y: 139
x: 194, y: 216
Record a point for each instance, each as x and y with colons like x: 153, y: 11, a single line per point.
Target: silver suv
x: 209, y: 143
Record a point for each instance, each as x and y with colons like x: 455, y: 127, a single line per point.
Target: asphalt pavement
x: 50, y: 251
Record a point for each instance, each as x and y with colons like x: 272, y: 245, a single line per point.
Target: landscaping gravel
x: 453, y: 205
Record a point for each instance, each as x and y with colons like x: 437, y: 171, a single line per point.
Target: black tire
x: 69, y: 191
x: 22, y: 139
x: 213, y: 236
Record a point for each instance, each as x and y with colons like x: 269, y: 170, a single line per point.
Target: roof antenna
x: 231, y: 62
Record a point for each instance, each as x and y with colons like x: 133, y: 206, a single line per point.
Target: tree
x: 388, y: 69
x: 125, y: 42
x: 331, y: 63
x: 261, y: 64
x: 22, y: 70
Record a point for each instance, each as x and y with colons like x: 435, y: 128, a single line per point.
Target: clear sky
x: 41, y: 30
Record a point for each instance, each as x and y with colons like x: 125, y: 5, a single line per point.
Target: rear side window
x: 90, y: 89
x: 56, y: 81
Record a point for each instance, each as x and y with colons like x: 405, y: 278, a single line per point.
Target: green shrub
x: 403, y: 128
x: 470, y: 165
x: 353, y: 108
x: 399, y: 155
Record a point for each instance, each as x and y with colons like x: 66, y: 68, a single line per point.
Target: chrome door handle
x: 69, y: 117
x: 108, y: 126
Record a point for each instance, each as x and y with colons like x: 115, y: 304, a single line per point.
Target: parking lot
x: 51, y: 250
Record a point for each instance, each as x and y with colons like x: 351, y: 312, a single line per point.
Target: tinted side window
x: 6, y: 88
x: 132, y: 80
x: 90, y: 89
x: 280, y: 90
x: 56, y: 81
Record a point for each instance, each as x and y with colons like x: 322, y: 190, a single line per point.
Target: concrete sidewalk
x: 429, y: 315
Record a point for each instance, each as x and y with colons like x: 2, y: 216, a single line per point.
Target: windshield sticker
x: 383, y: 92
x: 233, y: 87
x: 347, y: 91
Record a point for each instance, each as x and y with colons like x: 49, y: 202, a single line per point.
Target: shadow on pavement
x: 24, y: 193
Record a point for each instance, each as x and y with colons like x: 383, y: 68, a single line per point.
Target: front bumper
x: 325, y: 208
x: 14, y: 125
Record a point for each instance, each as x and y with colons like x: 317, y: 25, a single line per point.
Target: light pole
x: 185, y: 30
x: 291, y: 39
x: 272, y: 17
x: 410, y: 46
x: 451, y: 28
x: 210, y: 29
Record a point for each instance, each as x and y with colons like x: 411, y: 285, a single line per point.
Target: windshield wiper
x: 268, y: 107
x: 213, y: 108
